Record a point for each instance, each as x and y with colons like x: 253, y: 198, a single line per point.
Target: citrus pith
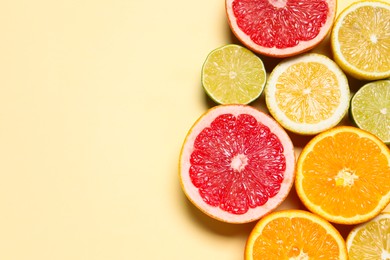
x: 294, y: 234
x: 236, y: 163
x: 307, y: 94
x: 360, y: 40
x: 280, y: 28
x: 370, y: 108
x: 370, y: 240
x: 232, y: 74
x: 342, y: 175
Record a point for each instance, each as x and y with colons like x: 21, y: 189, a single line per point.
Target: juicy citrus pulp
x: 307, y: 94
x: 294, y: 234
x: 236, y: 163
x: 370, y: 240
x: 343, y: 175
x: 280, y: 28
x: 370, y: 108
x: 232, y: 74
x: 361, y: 40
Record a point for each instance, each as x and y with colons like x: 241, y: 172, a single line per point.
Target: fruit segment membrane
x: 355, y: 187
x: 280, y: 23
x: 243, y: 170
x: 370, y: 240
x: 309, y: 99
x: 301, y: 239
x: 369, y: 27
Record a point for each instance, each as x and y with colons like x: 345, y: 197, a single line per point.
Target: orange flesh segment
x: 341, y: 167
x: 297, y: 237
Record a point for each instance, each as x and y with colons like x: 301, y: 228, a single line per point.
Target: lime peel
x: 232, y: 74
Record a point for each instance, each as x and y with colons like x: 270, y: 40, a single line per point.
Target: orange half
x: 343, y: 175
x: 294, y: 234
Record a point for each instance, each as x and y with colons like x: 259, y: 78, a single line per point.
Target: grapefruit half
x: 280, y: 28
x: 236, y: 163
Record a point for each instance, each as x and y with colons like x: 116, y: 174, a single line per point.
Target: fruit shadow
x: 215, y: 226
x: 293, y: 202
x: 344, y: 229
x: 355, y: 84
x: 209, y: 103
x: 204, y: 221
x: 259, y: 103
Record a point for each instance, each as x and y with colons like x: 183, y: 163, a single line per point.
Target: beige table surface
x: 96, y: 98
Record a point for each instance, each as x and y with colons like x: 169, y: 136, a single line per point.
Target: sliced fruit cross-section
x: 370, y: 240
x: 236, y: 164
x: 232, y: 74
x: 294, y: 234
x: 370, y: 108
x: 280, y: 28
x: 361, y: 40
x: 343, y: 175
x: 307, y: 94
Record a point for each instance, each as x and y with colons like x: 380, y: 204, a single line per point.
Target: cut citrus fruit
x: 307, y: 94
x: 236, y: 163
x: 370, y: 240
x: 343, y: 175
x: 360, y: 40
x: 294, y: 234
x: 233, y: 74
x: 280, y: 28
x: 370, y: 108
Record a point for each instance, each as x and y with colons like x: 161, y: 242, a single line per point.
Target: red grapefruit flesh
x: 236, y: 164
x: 280, y: 28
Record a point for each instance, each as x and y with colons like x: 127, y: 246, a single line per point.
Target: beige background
x: 96, y: 98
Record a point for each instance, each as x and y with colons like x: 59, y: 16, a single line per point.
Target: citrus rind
x: 317, y: 209
x: 303, y: 46
x: 192, y: 192
x: 291, y: 214
x: 371, y: 249
x: 232, y: 74
x: 373, y: 115
x: 307, y: 128
x: 341, y: 60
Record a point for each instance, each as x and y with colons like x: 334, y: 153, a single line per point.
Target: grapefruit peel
x: 256, y: 15
x: 216, y: 212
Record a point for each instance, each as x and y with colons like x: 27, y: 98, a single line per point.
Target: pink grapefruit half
x: 236, y: 163
x: 280, y: 28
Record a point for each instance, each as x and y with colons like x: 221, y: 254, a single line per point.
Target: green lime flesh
x: 370, y: 109
x: 232, y: 74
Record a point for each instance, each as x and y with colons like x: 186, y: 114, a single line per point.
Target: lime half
x: 232, y: 74
x: 370, y: 109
